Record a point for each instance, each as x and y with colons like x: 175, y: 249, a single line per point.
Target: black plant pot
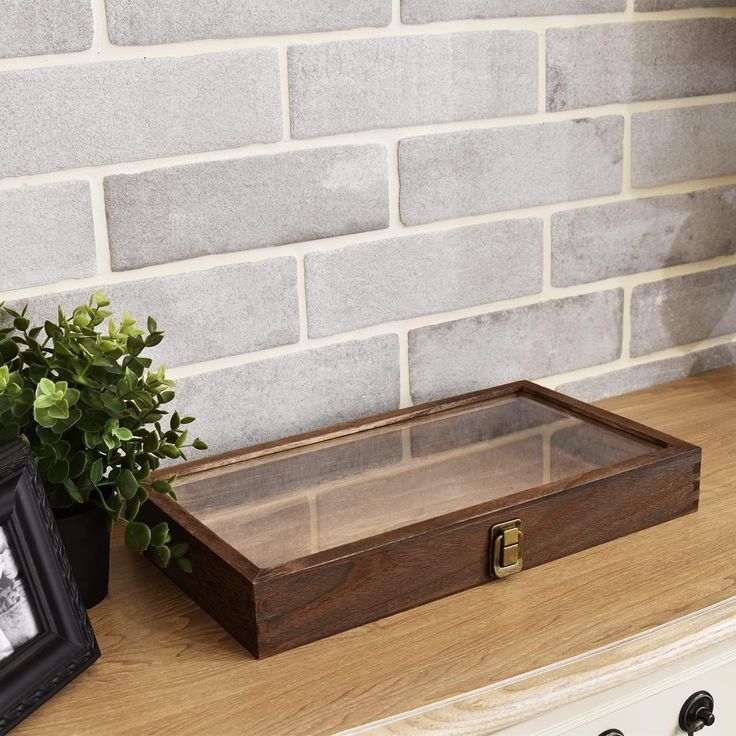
x: 83, y: 530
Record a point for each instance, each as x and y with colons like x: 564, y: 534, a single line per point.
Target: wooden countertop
x: 497, y: 654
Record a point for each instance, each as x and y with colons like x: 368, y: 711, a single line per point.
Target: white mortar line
x: 626, y: 163
x: 373, y: 136
x: 285, y: 99
x: 404, y: 376
x: 100, y: 40
x: 394, y: 187
x: 105, y: 51
x: 301, y: 285
x: 397, y: 326
x: 627, y: 326
x: 99, y: 219
x: 542, y: 73
x: 547, y: 253
x: 603, y: 369
x: 255, y: 255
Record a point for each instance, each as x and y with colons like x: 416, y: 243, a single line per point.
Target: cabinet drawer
x: 650, y: 705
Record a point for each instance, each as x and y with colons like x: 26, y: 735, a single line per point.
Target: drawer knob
x: 697, y: 712
x: 613, y: 732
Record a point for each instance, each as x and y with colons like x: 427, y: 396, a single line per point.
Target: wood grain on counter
x: 168, y: 668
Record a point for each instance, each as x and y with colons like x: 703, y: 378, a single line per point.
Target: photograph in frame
x: 18, y: 623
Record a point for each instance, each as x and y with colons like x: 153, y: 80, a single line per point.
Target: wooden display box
x: 298, y: 539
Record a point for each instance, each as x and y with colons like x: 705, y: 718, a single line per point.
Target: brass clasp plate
x: 507, y: 548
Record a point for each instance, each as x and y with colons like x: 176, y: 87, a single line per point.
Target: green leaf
x: 42, y: 417
x: 161, y: 486
x: 151, y: 442
x: 44, y: 401
x: 179, y: 550
x: 46, y: 387
x: 170, y: 451
x: 21, y: 324
x: 127, y: 484
x: 161, y: 556
x: 131, y: 509
x: 123, y: 433
x: 199, y: 444
x: 9, y: 432
x: 184, y: 565
x: 60, y: 410
x: 8, y: 350
x: 96, y: 471
x: 99, y: 299
x: 73, y: 491
x: 58, y: 472
x: 160, y: 534
x: 137, y: 536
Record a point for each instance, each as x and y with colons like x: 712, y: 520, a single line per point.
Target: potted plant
x: 81, y: 394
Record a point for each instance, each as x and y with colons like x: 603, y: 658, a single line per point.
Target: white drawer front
x: 649, y: 706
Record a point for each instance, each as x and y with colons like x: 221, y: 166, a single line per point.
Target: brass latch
x: 507, y: 548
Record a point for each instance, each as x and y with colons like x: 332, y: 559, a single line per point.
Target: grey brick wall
x: 171, y: 214
x: 407, y: 277
x: 89, y: 114
x: 426, y: 11
x: 336, y: 208
x: 595, y: 243
x: 526, y: 342
x: 384, y: 83
x: 657, y: 61
x: 644, y: 5
x: 252, y: 306
x: 294, y: 393
x: 44, y: 27
x: 683, y: 310
x: 145, y: 22
x: 46, y: 234
x: 681, y: 144
x: 456, y: 174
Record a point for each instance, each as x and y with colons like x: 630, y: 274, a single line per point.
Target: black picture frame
x: 65, y: 644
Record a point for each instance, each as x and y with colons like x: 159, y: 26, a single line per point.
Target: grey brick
x: 595, y: 243
x: 653, y: 61
x: 90, y: 114
x: 132, y: 22
x: 34, y: 27
x: 643, y: 5
x: 526, y: 342
x: 427, y: 11
x: 46, y: 234
x: 411, y: 80
x: 469, y: 173
x: 646, y: 375
x: 222, y: 206
x: 682, y: 310
x: 294, y: 393
x: 405, y: 277
x: 681, y: 144
x: 205, y: 314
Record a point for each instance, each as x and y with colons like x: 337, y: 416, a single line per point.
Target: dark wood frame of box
x: 270, y: 610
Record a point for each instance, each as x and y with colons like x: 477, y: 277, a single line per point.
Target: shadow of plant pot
x: 83, y: 529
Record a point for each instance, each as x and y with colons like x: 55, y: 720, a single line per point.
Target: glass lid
x: 293, y: 503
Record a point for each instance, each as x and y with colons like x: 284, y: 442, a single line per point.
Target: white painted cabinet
x: 650, y: 705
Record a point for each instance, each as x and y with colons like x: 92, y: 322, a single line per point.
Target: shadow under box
x: 45, y: 636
